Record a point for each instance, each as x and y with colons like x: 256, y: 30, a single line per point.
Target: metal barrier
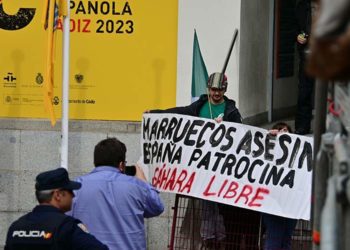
x: 200, y: 224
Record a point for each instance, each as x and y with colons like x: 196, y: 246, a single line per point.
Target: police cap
x: 57, y: 178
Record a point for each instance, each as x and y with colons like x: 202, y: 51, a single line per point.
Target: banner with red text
x: 229, y: 163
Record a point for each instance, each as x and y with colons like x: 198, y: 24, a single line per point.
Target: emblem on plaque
x: 56, y: 100
x: 79, y: 78
x: 39, y: 79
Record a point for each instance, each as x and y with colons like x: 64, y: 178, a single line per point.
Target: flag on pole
x: 62, y: 8
x: 52, y: 12
x: 199, y: 71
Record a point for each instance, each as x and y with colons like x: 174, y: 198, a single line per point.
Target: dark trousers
x: 279, y: 231
x: 242, y: 228
x: 305, y: 98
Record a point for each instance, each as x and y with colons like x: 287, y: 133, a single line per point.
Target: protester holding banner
x: 279, y: 230
x: 221, y: 223
x: 114, y: 204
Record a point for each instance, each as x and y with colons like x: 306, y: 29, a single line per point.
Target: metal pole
x: 173, y: 226
x: 65, y: 89
x: 230, y: 51
x: 321, y: 88
x: 320, y: 173
x: 270, y: 59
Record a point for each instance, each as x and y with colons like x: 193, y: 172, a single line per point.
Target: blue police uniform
x: 46, y: 227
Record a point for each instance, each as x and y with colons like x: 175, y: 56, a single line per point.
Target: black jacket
x: 231, y: 113
x: 47, y: 228
x: 303, y: 20
x: 303, y: 16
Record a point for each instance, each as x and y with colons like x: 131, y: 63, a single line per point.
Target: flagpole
x: 65, y: 89
x: 229, y: 51
x: 48, y: 20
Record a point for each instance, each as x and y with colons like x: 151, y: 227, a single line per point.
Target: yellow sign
x: 122, y: 58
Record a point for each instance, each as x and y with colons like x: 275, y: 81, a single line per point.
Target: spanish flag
x: 52, y: 11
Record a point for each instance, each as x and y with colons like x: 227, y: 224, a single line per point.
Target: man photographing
x: 112, y: 204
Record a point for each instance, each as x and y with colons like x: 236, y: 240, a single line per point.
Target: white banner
x: 230, y: 163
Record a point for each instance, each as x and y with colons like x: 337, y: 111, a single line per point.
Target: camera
x: 130, y: 170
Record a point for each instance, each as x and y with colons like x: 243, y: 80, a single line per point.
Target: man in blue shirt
x: 113, y: 205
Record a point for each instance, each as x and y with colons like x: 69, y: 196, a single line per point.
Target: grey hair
x: 44, y: 195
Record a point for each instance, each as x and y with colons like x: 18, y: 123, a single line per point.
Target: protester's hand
x: 139, y: 173
x: 302, y: 38
x: 146, y: 111
x: 218, y: 119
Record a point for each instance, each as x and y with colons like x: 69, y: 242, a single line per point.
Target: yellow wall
x: 122, y: 74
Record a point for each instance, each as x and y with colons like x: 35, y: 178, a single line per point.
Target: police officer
x: 47, y: 227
